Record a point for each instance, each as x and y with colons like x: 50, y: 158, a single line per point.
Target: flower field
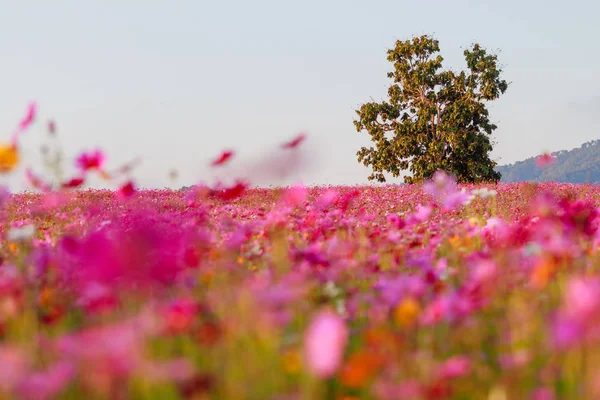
x: 425, y: 291
x: 419, y: 292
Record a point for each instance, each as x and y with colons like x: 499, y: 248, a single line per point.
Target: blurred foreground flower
x: 544, y: 160
x: 20, y: 233
x: 25, y: 122
x: 444, y: 188
x: 223, y: 158
x: 325, y: 341
x: 90, y: 160
x: 9, y: 158
x: 295, y: 142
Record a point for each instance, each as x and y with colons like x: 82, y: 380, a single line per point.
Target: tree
x: 434, y: 118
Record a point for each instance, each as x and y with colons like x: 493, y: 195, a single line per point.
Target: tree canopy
x: 434, y: 119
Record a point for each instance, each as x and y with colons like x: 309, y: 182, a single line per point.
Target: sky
x: 177, y: 82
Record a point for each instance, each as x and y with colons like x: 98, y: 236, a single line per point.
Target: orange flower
x: 46, y: 297
x: 542, y: 271
x: 9, y: 158
x: 12, y: 247
x: 382, y: 339
x: 360, y: 368
x: 406, y: 313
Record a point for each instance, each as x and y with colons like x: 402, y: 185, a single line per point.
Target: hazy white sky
x: 176, y: 82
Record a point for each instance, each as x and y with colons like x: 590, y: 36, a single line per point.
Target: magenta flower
x: 127, y: 190
x: 292, y: 144
x: 580, y: 215
x: 223, y: 158
x: 25, y: 122
x: 324, y: 343
x: 90, y: 160
x: 29, y: 117
x: 567, y: 332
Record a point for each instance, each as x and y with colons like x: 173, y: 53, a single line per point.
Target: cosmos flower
x: 295, y: 142
x: 93, y: 160
x: 25, y: 122
x: 325, y: 341
x: 544, y: 160
x: 127, y: 190
x: 9, y: 158
x: 223, y: 158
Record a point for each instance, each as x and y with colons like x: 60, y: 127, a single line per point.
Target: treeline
x: 580, y: 165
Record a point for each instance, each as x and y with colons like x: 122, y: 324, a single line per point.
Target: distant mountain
x: 580, y: 165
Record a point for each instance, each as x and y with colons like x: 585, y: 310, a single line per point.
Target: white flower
x: 20, y: 233
x: 331, y: 289
x: 484, y: 192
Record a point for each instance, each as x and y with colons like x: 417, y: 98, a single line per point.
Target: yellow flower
x: 474, y: 221
x: 407, y: 311
x: 460, y: 243
x: 9, y: 158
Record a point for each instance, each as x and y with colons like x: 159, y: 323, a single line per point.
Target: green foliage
x: 434, y: 118
x: 580, y: 165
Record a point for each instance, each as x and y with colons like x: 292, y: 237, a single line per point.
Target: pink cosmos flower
x: 516, y: 359
x: 73, y: 183
x: 444, y: 188
x: 46, y: 384
x: 36, y: 181
x: 295, y: 196
x: 580, y: 215
x: 421, y: 214
x: 441, y: 184
x: 544, y: 160
x: 29, y: 117
x: 13, y: 368
x: 127, y: 190
x: 543, y: 393
x: 455, y: 200
x: 455, y: 367
x: 582, y: 298
x: 179, y: 315
x: 223, y: 158
x: 97, y: 298
x: 295, y: 142
x: 410, y: 389
x: 325, y: 341
x: 25, y: 122
x: 4, y: 195
x: 396, y: 221
x: 91, y: 160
